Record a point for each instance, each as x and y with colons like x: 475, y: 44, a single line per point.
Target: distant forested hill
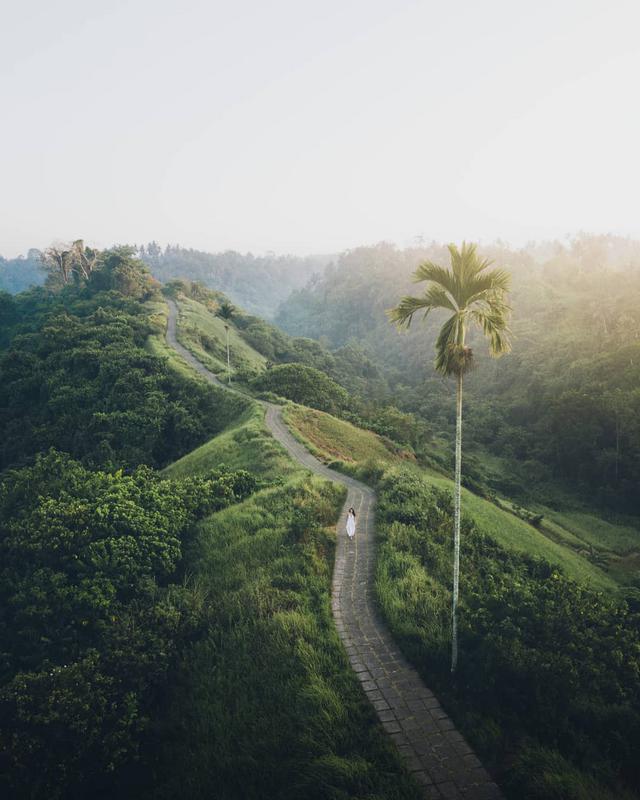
x: 258, y: 283
x: 18, y: 274
x: 564, y: 405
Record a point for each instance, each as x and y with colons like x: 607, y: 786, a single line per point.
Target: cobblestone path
x: 437, y: 755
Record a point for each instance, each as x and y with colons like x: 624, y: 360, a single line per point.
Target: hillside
x: 358, y: 450
x: 167, y: 573
x: 525, y: 572
x: 561, y: 410
x: 528, y: 598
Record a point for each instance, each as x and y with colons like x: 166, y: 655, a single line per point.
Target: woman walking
x: 351, y: 523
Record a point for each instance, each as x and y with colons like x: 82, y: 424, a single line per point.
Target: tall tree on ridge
x: 473, y: 295
x: 67, y: 262
x: 226, y: 312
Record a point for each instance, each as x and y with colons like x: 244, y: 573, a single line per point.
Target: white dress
x: 351, y: 525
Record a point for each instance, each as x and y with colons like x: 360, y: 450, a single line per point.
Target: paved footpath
x: 437, y: 755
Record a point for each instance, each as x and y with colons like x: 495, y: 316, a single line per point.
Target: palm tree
x: 226, y: 312
x: 473, y: 295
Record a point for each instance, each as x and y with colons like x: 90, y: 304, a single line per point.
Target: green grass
x: 245, y: 444
x: 516, y: 534
x: 156, y: 343
x: 597, y: 532
x: 265, y: 704
x: 519, y: 621
x: 203, y: 334
x: 334, y: 439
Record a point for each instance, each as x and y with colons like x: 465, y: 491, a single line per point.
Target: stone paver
x: 435, y: 753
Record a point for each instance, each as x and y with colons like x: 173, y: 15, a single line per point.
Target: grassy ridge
x: 245, y: 444
x: 333, y: 438
x: 266, y: 705
x: 548, y: 675
x: 203, y: 334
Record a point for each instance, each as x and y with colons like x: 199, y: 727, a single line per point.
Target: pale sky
x: 312, y: 126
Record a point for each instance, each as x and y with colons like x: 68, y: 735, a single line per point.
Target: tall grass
x: 547, y: 687
x: 204, y: 335
x: 244, y: 444
x: 265, y: 705
x: 334, y: 439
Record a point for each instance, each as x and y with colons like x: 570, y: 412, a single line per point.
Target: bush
x: 90, y: 622
x: 304, y: 385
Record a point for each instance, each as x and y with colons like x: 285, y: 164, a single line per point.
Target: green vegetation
x: 245, y: 444
x: 75, y: 375
x: 305, y: 385
x: 475, y: 296
x: 515, y: 534
x: 561, y: 411
x: 548, y: 688
x: 266, y: 704
x: 203, y: 334
x: 333, y: 439
x: 364, y: 454
x: 169, y: 634
x: 140, y: 656
x: 92, y: 616
x: 258, y: 283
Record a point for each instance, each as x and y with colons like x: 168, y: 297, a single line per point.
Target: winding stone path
x: 437, y: 755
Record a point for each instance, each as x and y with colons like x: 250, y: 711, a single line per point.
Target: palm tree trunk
x: 456, y: 528
x: 228, y: 359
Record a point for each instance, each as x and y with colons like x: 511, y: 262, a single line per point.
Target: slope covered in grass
x: 265, y: 704
x: 204, y: 335
x: 547, y: 677
x: 514, y: 533
x: 245, y: 444
x: 333, y: 439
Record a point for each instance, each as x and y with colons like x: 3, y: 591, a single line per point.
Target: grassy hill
x: 334, y: 439
x: 204, y: 335
x: 265, y: 703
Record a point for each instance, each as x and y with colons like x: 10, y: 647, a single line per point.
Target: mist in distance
x: 316, y: 127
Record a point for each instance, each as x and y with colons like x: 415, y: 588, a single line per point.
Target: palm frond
x: 441, y: 276
x: 403, y: 313
x: 437, y: 297
x: 495, y: 282
x: 494, y: 326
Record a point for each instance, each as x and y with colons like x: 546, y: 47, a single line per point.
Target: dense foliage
x: 76, y: 376
x: 549, y: 671
x: 90, y: 616
x: 563, y: 407
x: 305, y: 385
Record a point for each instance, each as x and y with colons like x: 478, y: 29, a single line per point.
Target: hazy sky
x: 304, y: 126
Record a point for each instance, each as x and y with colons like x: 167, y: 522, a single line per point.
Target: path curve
x: 437, y: 755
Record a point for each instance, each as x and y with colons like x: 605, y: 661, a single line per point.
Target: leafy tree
x: 66, y: 263
x: 304, y: 385
x: 90, y: 615
x: 473, y: 295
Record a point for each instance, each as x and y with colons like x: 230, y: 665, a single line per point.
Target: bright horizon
x: 316, y: 127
